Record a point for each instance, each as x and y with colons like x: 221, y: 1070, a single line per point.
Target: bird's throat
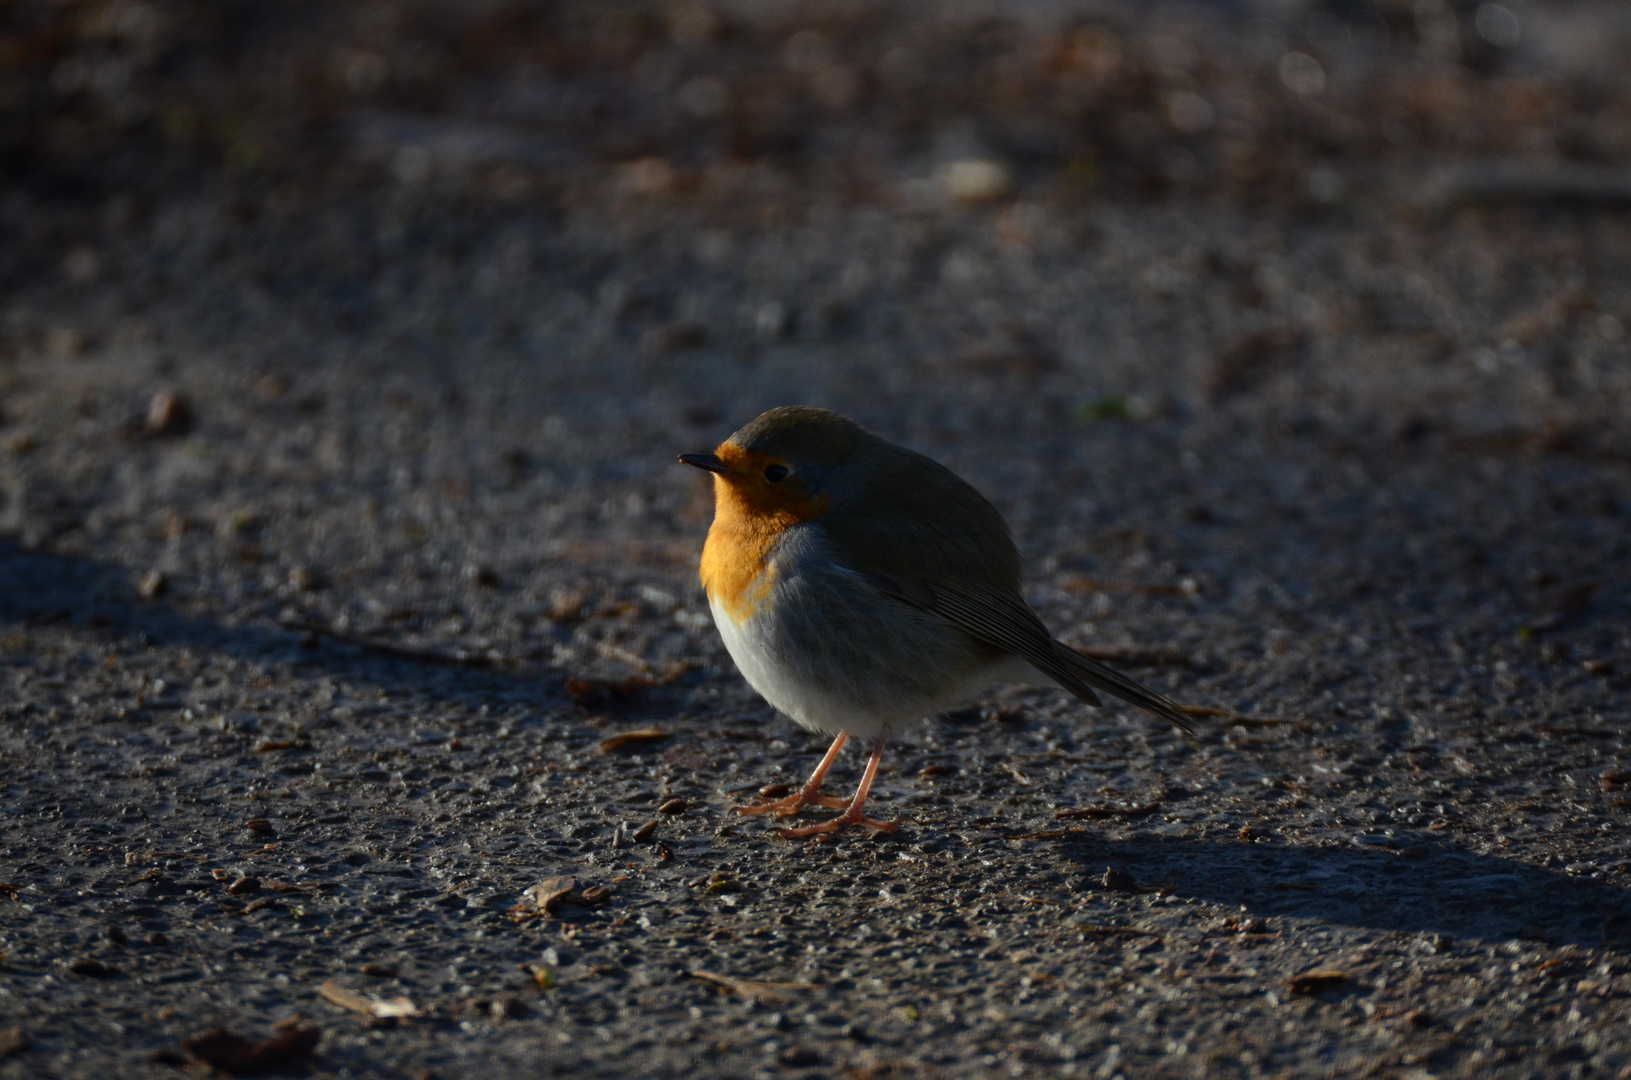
x: 736, y: 568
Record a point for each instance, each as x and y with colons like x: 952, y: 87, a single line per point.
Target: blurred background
x: 483, y: 238
x: 753, y: 106
x: 1029, y: 120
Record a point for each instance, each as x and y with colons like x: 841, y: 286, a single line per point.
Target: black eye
x: 776, y: 473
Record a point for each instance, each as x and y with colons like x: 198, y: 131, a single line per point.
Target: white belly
x: 817, y: 695
x: 778, y: 682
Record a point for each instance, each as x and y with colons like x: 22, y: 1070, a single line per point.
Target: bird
x: 860, y: 586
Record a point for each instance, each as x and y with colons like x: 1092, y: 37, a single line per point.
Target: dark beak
x: 706, y: 461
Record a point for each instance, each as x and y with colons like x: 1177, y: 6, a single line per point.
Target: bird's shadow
x: 1430, y: 888
x: 39, y: 587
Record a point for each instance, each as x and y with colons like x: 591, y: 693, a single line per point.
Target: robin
x: 860, y: 586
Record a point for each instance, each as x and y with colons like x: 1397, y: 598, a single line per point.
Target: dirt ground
x: 347, y: 577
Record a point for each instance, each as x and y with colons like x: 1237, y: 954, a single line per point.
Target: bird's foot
x: 851, y: 816
x: 794, y: 803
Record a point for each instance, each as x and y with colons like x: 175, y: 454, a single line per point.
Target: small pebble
x: 167, y: 413
x: 244, y: 885
x: 674, y: 337
x: 507, y: 1007
x: 976, y: 180
x: 1118, y: 880
x: 152, y: 585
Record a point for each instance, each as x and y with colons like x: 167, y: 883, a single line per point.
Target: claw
x: 838, y: 823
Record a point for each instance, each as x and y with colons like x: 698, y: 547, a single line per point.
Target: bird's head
x: 785, y: 462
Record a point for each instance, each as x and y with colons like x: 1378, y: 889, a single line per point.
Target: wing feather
x: 1004, y: 621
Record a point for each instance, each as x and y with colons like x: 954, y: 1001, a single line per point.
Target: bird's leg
x: 852, y: 814
x: 809, y: 794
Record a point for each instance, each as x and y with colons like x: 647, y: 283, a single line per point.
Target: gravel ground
x: 343, y: 540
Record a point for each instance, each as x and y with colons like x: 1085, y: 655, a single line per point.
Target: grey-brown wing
x: 1004, y: 621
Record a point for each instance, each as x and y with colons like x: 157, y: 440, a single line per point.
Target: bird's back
x: 899, y: 513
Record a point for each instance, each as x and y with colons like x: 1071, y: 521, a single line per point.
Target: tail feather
x: 1080, y: 674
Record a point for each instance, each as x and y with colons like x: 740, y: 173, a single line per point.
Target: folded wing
x: 1004, y: 621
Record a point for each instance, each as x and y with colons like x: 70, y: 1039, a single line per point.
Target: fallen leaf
x: 240, y: 1056
x: 1116, y: 931
x: 347, y: 998
x: 1123, y: 811
x: 643, y: 737
x: 749, y: 988
x: 92, y: 968
x: 1312, y: 982
x: 587, y: 691
x: 546, y: 897
x: 1231, y: 716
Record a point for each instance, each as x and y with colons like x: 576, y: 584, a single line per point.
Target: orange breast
x: 749, y: 519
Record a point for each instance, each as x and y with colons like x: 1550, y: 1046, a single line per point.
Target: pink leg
x: 852, y: 814
x: 809, y: 794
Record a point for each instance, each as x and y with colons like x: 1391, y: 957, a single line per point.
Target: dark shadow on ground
x: 40, y: 588
x: 1428, y: 888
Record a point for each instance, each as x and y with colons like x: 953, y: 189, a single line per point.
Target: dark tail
x: 1086, y: 670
